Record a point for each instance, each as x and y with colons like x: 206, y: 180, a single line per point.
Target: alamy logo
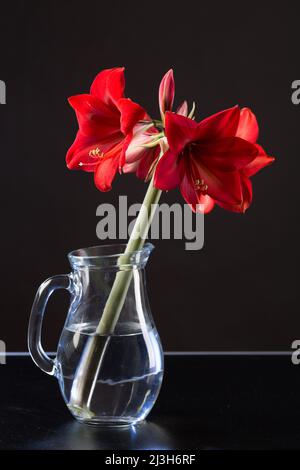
x: 2, y: 352
x: 2, y: 92
x: 296, y: 353
x: 175, y: 221
x: 296, y: 93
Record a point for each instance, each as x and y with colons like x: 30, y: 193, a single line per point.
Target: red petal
x: 227, y: 154
x: 131, y: 113
x: 247, y: 192
x: 194, y: 198
x: 105, y: 173
x: 94, y: 117
x: 207, y: 202
x: 187, y: 189
x: 248, y: 127
x: 79, y: 151
x: 146, y: 162
x: 109, y: 85
x: 166, y: 92
x: 180, y: 131
x: 246, y: 186
x: 261, y: 151
x: 167, y: 174
x: 223, y: 186
x: 222, y: 124
x: 78, y: 156
x: 257, y: 164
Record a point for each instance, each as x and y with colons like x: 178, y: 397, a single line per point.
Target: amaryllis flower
x: 212, y: 161
x: 144, y: 149
x: 106, y: 120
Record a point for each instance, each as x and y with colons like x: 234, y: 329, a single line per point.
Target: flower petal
x: 138, y: 157
x: 246, y: 186
x: 248, y: 127
x: 123, y: 150
x: 79, y: 155
x: 131, y: 113
x: 94, y: 117
x: 136, y: 150
x: 224, y: 186
x: 207, y: 202
x: 130, y: 167
x: 227, y: 154
x: 146, y: 162
x: 257, y: 164
x: 187, y: 189
x: 105, y: 173
x: 109, y: 85
x: 219, y: 125
x: 182, y: 110
x: 198, y: 202
x: 167, y: 174
x: 180, y: 131
x: 247, y: 192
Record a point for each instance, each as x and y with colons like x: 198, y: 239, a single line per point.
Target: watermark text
x: 161, y: 222
x: 2, y: 352
x: 296, y: 353
x: 2, y: 92
x: 295, y: 97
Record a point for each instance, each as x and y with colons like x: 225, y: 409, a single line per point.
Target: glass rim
x: 107, y: 251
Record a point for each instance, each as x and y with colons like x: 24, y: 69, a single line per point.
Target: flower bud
x: 166, y: 93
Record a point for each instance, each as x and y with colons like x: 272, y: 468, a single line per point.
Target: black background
x: 241, y: 290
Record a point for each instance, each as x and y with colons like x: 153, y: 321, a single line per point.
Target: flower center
x: 200, y: 185
x: 94, y: 153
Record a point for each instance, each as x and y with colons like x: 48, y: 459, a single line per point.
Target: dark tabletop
x: 206, y: 402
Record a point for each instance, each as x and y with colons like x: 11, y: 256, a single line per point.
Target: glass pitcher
x: 105, y: 379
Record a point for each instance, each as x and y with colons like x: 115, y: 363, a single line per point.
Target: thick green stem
x: 121, y: 284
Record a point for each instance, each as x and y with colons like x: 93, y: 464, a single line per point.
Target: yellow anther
x: 96, y: 153
x: 200, y: 185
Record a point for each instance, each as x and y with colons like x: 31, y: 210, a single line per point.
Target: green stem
x: 121, y: 284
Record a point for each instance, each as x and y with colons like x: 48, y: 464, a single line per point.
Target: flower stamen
x: 87, y: 164
x: 200, y: 185
x: 96, y: 153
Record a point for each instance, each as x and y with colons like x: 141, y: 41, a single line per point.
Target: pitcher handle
x: 44, y: 362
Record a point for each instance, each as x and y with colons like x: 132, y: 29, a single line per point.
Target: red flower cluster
x: 210, y: 161
x: 106, y: 120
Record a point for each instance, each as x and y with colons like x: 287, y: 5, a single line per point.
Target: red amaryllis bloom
x: 212, y: 161
x: 106, y: 120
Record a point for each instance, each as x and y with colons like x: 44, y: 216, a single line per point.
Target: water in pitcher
x: 130, y: 375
